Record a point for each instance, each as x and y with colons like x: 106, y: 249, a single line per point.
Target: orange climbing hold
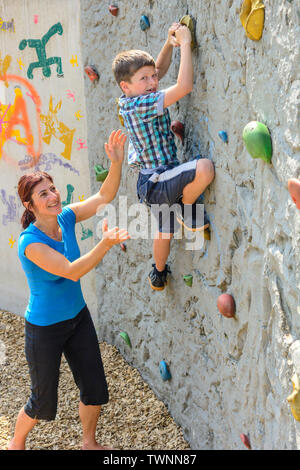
x: 91, y: 72
x: 245, y: 440
x: 294, y: 189
x: 226, y: 305
x: 252, y: 17
x: 113, y: 9
x: 178, y: 128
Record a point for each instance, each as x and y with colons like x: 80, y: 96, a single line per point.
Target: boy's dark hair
x: 127, y: 63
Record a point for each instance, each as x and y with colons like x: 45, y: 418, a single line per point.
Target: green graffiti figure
x: 86, y: 232
x: 70, y: 190
x: 40, y: 46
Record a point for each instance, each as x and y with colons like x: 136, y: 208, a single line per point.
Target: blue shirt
x: 52, y: 298
x: 151, y: 141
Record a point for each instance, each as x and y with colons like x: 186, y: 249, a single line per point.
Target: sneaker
x: 190, y: 218
x: 157, y: 279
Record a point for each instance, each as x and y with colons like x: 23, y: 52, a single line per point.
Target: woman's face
x: 46, y: 199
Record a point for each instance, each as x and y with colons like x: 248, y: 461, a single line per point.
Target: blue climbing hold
x: 223, y: 135
x: 164, y: 370
x: 144, y: 23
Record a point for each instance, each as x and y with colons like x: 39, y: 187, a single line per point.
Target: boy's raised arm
x: 185, y: 78
x: 164, y: 58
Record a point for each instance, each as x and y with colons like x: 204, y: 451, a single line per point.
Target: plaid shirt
x: 151, y: 141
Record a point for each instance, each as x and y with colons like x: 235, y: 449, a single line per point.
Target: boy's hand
x: 171, y: 34
x: 183, y: 35
x: 115, y: 146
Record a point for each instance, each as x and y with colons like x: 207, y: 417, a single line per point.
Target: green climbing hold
x: 101, y: 173
x: 258, y: 141
x: 126, y: 338
x: 188, y: 279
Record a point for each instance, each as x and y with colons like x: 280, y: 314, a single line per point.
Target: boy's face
x: 144, y: 81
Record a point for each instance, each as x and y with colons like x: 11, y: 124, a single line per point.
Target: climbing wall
x: 229, y: 376
x: 43, y: 123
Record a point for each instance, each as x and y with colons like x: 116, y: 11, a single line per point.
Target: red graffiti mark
x: 20, y: 117
x: 35, y: 18
x: 71, y: 94
x: 82, y: 144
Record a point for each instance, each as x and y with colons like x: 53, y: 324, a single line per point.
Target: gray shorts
x: 163, y: 186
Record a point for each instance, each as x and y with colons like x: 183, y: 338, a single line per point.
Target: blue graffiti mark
x: 7, y: 25
x: 11, y: 208
x: 46, y: 163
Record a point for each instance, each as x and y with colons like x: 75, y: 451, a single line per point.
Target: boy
x: 162, y: 179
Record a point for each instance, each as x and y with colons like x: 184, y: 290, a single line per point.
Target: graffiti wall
x: 42, y: 123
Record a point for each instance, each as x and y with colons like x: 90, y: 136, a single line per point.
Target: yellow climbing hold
x: 252, y: 17
x: 188, y: 21
x: 207, y: 234
x: 294, y: 398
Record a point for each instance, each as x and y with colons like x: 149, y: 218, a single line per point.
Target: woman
x: 57, y: 319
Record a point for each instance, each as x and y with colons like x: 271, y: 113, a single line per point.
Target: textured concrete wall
x: 228, y: 376
x: 56, y: 127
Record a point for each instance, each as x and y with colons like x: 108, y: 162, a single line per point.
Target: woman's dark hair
x: 26, y: 185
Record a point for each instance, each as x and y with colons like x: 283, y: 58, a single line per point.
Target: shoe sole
x: 153, y: 287
x: 200, y: 229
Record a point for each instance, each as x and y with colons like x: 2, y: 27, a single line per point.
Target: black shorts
x: 44, y: 345
x: 161, y: 188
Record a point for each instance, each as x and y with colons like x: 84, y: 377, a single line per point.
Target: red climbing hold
x: 91, y: 72
x: 113, y: 9
x: 123, y: 246
x: 294, y: 189
x: 178, y: 128
x: 245, y: 441
x: 226, y: 305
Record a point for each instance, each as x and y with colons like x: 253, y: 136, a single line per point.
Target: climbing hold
x: 223, y: 135
x: 144, y: 23
x: 245, y: 440
x: 207, y: 234
x: 113, y: 9
x: 188, y: 279
x: 226, y: 305
x: 119, y: 115
x: 91, y: 72
x: 258, y: 141
x: 126, y: 338
x: 252, y: 17
x: 188, y: 21
x: 178, y: 128
x: 294, y: 398
x: 101, y: 173
x: 294, y: 189
x: 123, y: 246
x: 164, y: 370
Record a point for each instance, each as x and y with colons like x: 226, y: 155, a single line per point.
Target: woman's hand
x: 114, y: 236
x: 115, y: 146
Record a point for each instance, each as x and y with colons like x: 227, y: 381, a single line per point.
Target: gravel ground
x: 133, y: 419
